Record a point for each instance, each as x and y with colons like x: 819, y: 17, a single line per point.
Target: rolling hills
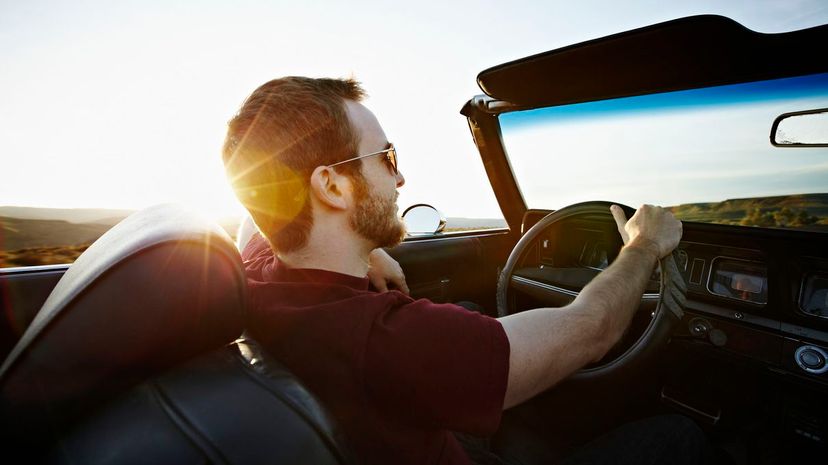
x: 34, y: 236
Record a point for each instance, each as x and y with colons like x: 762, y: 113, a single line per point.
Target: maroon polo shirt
x: 398, y: 374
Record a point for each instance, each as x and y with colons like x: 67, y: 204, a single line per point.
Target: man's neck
x: 336, y: 249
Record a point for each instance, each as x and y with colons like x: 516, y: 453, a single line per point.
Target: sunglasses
x: 390, y: 157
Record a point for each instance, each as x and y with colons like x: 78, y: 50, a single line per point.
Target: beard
x: 376, y: 217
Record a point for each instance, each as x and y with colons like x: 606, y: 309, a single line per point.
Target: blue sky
x: 124, y: 104
x: 778, y: 89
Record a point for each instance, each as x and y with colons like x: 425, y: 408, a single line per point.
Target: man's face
x: 375, y: 215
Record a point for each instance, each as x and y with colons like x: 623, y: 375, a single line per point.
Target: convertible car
x: 136, y: 353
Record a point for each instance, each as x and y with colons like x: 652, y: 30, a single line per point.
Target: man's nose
x: 400, y: 179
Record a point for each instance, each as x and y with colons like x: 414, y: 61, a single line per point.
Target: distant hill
x: 474, y: 223
x: 733, y: 211
x: 31, y: 227
x: 50, y: 227
x: 16, y: 233
x: 72, y: 215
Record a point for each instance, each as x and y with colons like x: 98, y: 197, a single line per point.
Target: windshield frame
x: 482, y: 111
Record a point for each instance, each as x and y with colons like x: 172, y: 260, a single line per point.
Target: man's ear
x: 330, y: 188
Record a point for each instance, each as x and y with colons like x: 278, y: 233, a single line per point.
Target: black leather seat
x: 135, y: 358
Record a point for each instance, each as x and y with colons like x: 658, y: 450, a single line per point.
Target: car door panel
x: 454, y: 268
x: 22, y: 292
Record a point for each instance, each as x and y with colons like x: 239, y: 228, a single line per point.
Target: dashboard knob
x: 698, y: 327
x: 718, y: 337
x: 811, y: 359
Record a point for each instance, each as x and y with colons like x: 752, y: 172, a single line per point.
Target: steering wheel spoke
x: 546, y: 293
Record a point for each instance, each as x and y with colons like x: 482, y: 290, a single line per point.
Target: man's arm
x: 549, y: 344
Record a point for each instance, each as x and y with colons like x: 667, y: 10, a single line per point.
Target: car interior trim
x: 34, y: 269
x: 803, y: 332
x: 712, y: 418
x: 724, y: 312
x: 458, y: 235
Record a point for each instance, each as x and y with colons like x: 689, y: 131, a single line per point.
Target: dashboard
x: 759, y: 294
x: 751, y: 350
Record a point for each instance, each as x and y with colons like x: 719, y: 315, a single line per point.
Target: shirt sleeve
x: 438, y: 366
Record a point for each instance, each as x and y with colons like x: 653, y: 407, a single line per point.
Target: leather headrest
x: 158, y: 288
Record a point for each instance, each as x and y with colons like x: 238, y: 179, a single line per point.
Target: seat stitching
x: 187, y: 428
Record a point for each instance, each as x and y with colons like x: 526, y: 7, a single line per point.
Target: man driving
x: 319, y: 177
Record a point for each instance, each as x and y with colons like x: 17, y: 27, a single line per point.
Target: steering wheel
x: 671, y: 298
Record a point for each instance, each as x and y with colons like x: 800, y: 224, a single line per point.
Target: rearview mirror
x: 422, y: 219
x: 807, y: 128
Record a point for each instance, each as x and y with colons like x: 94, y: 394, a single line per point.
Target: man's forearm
x: 615, y: 294
x: 548, y: 344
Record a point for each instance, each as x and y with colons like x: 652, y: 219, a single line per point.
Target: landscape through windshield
x: 706, y: 153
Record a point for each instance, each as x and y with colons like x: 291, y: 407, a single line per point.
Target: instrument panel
x: 728, y: 275
x: 773, y: 280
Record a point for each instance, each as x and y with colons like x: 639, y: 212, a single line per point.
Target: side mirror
x: 422, y: 219
x: 807, y: 128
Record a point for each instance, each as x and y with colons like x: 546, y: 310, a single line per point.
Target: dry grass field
x: 805, y: 211
x: 58, y: 236
x: 41, y: 255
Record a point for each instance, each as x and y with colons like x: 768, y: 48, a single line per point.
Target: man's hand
x: 653, y: 228
x: 384, y: 272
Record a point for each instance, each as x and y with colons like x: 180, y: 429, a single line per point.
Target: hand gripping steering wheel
x: 671, y: 299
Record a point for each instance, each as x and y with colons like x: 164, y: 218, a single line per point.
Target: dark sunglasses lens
x: 392, y: 158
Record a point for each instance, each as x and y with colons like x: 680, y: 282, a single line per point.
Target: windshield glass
x: 706, y: 153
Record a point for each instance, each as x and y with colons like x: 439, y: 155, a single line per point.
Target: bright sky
x: 714, y: 153
x: 703, y: 145
x: 124, y: 104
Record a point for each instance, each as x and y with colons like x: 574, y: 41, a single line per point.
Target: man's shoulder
x: 258, y: 257
x: 255, y: 247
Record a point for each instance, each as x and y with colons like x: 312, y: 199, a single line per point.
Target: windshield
x: 706, y: 153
